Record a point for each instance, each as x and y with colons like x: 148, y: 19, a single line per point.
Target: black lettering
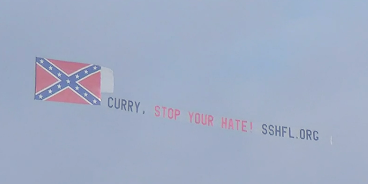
x: 302, y: 133
x: 117, y: 106
x: 108, y: 103
x: 290, y: 136
x: 283, y: 131
x: 270, y: 128
x: 130, y: 106
x: 278, y: 130
x: 309, y: 133
x: 123, y: 101
x: 264, y: 131
x: 315, y: 137
x: 137, y: 106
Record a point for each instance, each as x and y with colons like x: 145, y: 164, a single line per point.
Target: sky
x: 289, y: 63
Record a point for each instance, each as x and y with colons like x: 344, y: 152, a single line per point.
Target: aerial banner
x: 237, y: 124
x: 82, y: 83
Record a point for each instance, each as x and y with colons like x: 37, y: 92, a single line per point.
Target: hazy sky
x: 291, y: 63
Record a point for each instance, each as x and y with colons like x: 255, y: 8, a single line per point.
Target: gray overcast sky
x: 292, y: 63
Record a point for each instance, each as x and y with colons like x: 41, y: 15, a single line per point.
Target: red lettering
x: 210, y: 120
x: 170, y: 115
x: 191, y: 116
x: 157, y: 109
x: 200, y: 118
x: 243, y: 126
x: 164, y: 110
x: 197, y: 118
x: 204, y: 119
x: 237, y: 124
x: 177, y: 113
x: 231, y: 124
x: 224, y: 123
